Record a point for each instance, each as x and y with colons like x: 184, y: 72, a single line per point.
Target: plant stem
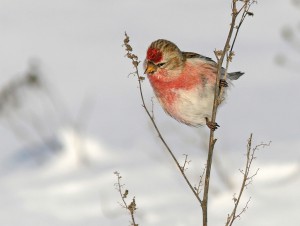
x: 212, y: 140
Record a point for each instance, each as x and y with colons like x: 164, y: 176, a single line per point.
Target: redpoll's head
x: 163, y: 54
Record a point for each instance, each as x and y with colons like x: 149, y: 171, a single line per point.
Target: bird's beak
x: 150, y: 68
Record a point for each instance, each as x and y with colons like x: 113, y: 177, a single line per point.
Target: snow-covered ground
x: 72, y: 190
x: 56, y: 166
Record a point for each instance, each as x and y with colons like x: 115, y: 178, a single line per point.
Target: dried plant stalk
x: 135, y: 63
x: 130, y: 207
x: 220, y: 55
x: 247, y: 179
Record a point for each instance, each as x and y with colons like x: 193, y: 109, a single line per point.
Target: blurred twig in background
x: 27, y: 109
x: 33, y: 112
x: 291, y: 35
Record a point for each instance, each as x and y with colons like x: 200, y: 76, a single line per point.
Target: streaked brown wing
x: 231, y: 76
x: 196, y: 55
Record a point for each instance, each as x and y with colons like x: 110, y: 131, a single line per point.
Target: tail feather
x: 235, y: 75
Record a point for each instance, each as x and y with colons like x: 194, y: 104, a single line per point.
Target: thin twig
x: 132, y: 206
x: 246, y: 13
x: 186, y: 162
x: 250, y: 156
x: 135, y: 63
x: 227, y: 51
x: 212, y: 140
x: 200, y: 183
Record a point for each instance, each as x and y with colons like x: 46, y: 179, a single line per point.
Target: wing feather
x: 190, y: 55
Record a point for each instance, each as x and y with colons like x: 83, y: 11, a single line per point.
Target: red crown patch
x: 154, y: 55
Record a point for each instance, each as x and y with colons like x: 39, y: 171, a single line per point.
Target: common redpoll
x: 183, y: 82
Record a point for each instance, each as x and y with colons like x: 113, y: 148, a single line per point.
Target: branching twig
x: 246, y: 12
x: 227, y: 51
x: 247, y: 179
x: 132, y: 206
x: 135, y: 62
x: 200, y: 183
x: 186, y: 162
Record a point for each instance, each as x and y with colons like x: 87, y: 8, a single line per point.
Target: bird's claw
x: 211, y: 125
x: 223, y: 83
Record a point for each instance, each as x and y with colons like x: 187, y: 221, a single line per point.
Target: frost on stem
x: 131, y: 207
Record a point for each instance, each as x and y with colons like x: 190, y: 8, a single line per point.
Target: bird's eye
x: 160, y: 64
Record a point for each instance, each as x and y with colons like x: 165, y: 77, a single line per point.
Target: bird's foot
x: 223, y: 83
x: 211, y: 125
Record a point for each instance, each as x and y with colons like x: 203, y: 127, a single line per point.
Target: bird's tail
x: 235, y: 75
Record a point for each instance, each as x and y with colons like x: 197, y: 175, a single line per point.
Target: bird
x: 184, y: 82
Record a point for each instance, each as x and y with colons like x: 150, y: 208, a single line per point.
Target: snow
x: 69, y: 191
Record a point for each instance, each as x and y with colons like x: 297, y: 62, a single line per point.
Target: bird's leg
x: 223, y: 83
x: 211, y: 125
